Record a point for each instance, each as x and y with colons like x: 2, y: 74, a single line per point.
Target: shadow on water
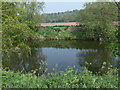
x: 63, y: 53
x: 96, y: 59
x: 24, y: 62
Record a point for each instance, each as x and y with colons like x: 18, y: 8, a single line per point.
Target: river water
x: 47, y: 54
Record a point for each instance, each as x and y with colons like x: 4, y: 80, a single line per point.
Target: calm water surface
x: 48, y: 54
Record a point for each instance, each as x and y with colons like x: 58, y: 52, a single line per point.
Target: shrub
x: 69, y: 78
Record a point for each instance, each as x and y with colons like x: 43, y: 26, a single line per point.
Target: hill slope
x: 61, y: 16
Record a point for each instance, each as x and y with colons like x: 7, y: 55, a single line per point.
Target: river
x: 47, y: 54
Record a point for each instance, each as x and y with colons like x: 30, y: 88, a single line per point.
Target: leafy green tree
x: 13, y: 32
x: 14, y: 27
x: 31, y: 12
x: 99, y: 17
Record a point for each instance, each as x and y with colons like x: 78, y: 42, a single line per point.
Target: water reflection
x: 63, y: 53
x: 96, y: 59
x: 25, y: 62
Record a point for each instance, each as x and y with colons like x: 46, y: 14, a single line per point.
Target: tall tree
x: 32, y: 12
x: 15, y: 27
x: 99, y: 17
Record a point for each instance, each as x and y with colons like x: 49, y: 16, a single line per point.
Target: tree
x: 99, y: 17
x: 13, y: 32
x: 15, y: 27
x: 32, y: 12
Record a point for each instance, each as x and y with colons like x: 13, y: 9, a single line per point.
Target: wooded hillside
x: 68, y: 16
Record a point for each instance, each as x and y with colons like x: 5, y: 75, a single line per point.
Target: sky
x: 54, y: 7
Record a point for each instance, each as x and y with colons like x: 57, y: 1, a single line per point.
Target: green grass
x: 51, y: 32
x: 59, y: 79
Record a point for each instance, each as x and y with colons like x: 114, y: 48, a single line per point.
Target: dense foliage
x: 63, y: 32
x: 63, y: 79
x: 31, y: 13
x: 61, y: 16
x: 16, y: 25
x: 99, y: 17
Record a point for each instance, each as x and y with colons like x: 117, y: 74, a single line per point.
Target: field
x: 67, y: 24
x: 59, y: 24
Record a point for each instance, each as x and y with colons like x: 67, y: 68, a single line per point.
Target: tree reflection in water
x: 25, y: 62
x: 96, y: 59
x: 87, y: 51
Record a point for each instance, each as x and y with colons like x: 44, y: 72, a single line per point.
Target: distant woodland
x: 68, y: 16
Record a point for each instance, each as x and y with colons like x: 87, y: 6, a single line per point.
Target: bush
x: 69, y: 78
x: 57, y: 29
x: 51, y: 32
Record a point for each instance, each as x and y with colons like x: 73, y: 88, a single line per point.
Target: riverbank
x: 77, y: 32
x: 62, y: 79
x: 28, y: 39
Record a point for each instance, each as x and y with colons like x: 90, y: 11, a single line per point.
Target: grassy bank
x: 63, y: 79
x: 63, y: 32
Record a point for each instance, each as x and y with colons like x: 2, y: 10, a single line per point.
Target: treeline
x: 61, y: 17
x: 98, y: 18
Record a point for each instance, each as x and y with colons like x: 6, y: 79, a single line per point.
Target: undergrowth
x: 69, y: 78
